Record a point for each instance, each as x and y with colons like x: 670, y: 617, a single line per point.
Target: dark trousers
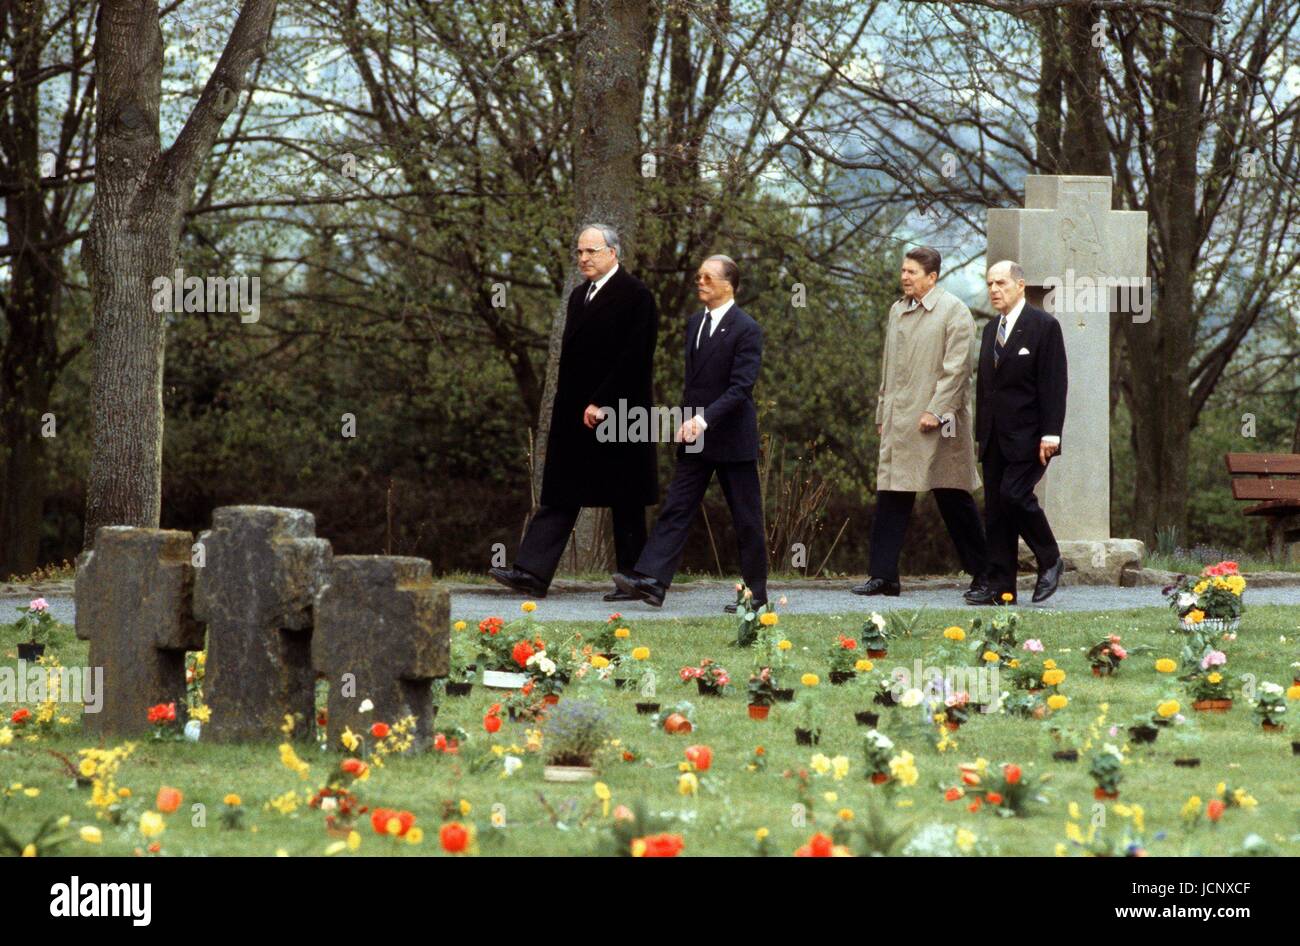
x: 663, y: 551
x: 960, y: 515
x: 548, y: 534
x: 1011, y: 510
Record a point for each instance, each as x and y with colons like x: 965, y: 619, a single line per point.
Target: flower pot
x: 30, y: 651
x: 1039, y: 711
x: 568, y: 773
x: 1101, y: 794
x: 1097, y: 672
x: 839, y: 677
x: 647, y: 709
x: 551, y: 699
x: 785, y: 696
x: 706, y: 688
x: 1273, y: 727
x: 1212, y: 706
x: 806, y: 737
x: 1218, y: 625
x: 877, y: 654
x: 676, y: 723
x: 502, y: 680
x: 1187, y: 763
x: 338, y: 831
x: 1143, y: 733
x: 865, y: 718
x: 885, y: 698
x: 952, y: 727
x: 759, y: 712
x: 1066, y: 755
x: 1295, y: 747
x: 879, y: 778
x: 459, y: 689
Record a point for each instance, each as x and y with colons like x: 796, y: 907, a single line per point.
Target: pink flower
x: 1119, y: 652
x: 1033, y: 645
x: 39, y: 604
x: 1215, y: 658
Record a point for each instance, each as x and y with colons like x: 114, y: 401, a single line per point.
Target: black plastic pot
x: 620, y: 682
x: 1066, y: 755
x: 707, y: 689
x: 30, y: 651
x: 459, y: 689
x: 806, y: 737
x: 784, y: 696
x: 839, y: 677
x: 647, y: 709
x: 1187, y: 763
x: 1143, y: 733
x: 865, y: 718
x: 885, y: 698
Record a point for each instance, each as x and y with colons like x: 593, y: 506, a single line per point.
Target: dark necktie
x: 590, y: 292
x: 706, y: 331
x: 1000, y: 341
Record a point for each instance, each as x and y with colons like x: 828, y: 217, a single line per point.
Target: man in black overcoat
x: 606, y: 364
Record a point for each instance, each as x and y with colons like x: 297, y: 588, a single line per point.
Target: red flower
x: 168, y: 800
x: 1229, y: 566
x: 490, y: 626
x: 20, y: 716
x: 491, y: 721
x: 819, y: 845
x: 322, y: 718
x: 1214, y: 810
x: 380, y: 817
x: 975, y: 805
x: 1011, y: 772
x: 952, y: 794
x: 443, y: 744
x: 615, y: 616
x: 521, y: 652
x: 155, y: 847
x: 354, y: 767
x: 701, y: 757
x: 661, y: 845
x: 380, y: 730
x: 993, y: 798
x: 453, y: 837
x: 527, y: 688
x: 162, y: 713
x: 848, y: 643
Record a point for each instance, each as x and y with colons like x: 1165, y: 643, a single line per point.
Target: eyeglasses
x: 703, y: 279
x: 582, y: 252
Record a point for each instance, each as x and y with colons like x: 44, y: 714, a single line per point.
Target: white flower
x: 1272, y: 689
x: 911, y: 697
x: 782, y: 601
x: 511, y: 764
x: 878, y: 620
x: 1186, y: 600
x: 543, y: 663
x: 328, y: 803
x: 879, y: 740
x: 366, y: 706
x: 192, y: 730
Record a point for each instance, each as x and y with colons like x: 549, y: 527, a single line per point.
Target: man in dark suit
x: 1020, y: 410
x: 606, y: 361
x: 724, y: 350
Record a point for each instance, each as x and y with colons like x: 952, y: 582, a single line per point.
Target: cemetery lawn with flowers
x: 733, y: 784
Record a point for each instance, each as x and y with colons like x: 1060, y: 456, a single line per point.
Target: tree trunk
x: 608, y: 90
x: 141, y: 195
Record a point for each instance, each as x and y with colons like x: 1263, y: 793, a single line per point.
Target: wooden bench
x: 1278, y: 496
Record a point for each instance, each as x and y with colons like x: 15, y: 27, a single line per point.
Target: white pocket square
x: 1023, y: 351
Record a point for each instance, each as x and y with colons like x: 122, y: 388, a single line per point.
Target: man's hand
x: 928, y: 422
x: 1046, y: 451
x: 593, y: 415
x: 688, y: 432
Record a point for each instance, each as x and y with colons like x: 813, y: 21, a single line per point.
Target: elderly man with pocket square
x: 1020, y: 410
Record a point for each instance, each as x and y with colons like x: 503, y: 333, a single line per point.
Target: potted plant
x: 956, y: 710
x: 1188, y: 738
x: 751, y: 620
x: 1065, y: 740
x: 1209, y: 601
x: 676, y: 720
x: 35, y: 625
x: 1270, y: 706
x: 843, y: 655
x: 1143, y: 728
x: 878, y: 749
x: 762, y: 693
x: 875, y: 636
x: 884, y: 691
x: 573, y: 736
x: 866, y: 718
x: 809, y: 712
x: 710, y: 677
x: 1211, y: 692
x: 611, y: 641
x: 504, y: 650
x: 1106, y: 768
x: 1104, y: 656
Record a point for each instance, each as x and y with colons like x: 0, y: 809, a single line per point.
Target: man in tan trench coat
x: 923, y: 417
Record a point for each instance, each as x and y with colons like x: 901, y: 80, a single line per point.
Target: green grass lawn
x: 545, y: 818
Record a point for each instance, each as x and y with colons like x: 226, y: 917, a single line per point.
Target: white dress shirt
x: 715, y: 316
x: 1011, y: 324
x: 601, y: 281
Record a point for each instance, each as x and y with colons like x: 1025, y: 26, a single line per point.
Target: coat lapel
x: 1017, y: 330
x: 713, y: 343
x: 583, y: 313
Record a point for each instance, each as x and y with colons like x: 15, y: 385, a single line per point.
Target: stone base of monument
x: 1101, y: 562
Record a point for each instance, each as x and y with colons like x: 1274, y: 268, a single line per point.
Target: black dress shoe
x: 519, y: 580
x: 979, y: 595
x: 641, y: 588
x: 731, y: 608
x: 1048, y: 580
x: 878, y: 586
x: 617, y: 595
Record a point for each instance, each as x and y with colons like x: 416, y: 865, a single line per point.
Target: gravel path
x: 706, y: 598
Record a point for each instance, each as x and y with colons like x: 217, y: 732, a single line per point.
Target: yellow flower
x: 201, y: 713
x: 768, y: 619
x: 1049, y: 664
x: 29, y: 850
x: 458, y: 626
x: 91, y: 835
x: 1073, y: 833
x: 846, y: 814
x: 903, y: 768
x: 688, y: 784
x: 1199, y: 587
x: 761, y: 833
x: 1074, y: 810
x: 31, y: 792
x: 87, y: 768
x: 602, y: 791
x: 1214, y: 677
x: 415, y: 835
x: 151, y: 824
x: 831, y: 797
x: 990, y: 657
x: 1058, y: 701
x: 1060, y: 849
x: 1013, y: 663
x: 528, y: 607
x: 1165, y: 665
x: 1167, y: 708
x: 1053, y: 677
x: 354, y: 840
x: 954, y: 633
x: 599, y: 662
x: 1196, y: 615
x: 638, y: 847
x: 784, y: 645
x: 820, y: 763
x: 810, y: 679
x: 233, y: 800
x: 1293, y: 692
x: 965, y: 840
x: 640, y: 653
x: 465, y: 807
x: 1007, y: 596
x: 350, y: 740
x: 124, y: 793
x: 622, y: 633
x: 393, y: 826
x: 1192, y: 808
x: 863, y: 666
x: 6, y: 736
x: 839, y: 767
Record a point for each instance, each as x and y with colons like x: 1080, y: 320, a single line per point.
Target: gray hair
x: 730, y: 271
x: 607, y: 233
x: 1014, y: 269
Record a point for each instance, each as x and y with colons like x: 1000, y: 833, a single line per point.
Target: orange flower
x: 819, y: 845
x: 521, y: 652
x: 993, y: 798
x: 953, y: 794
x: 169, y: 799
x: 379, y: 730
x: 1214, y: 810
x: 380, y: 817
x: 658, y: 845
x: 1011, y: 772
x: 701, y: 757
x: 453, y: 837
x: 354, y: 767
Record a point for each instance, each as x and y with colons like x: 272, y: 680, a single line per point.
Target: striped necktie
x: 1001, y: 340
